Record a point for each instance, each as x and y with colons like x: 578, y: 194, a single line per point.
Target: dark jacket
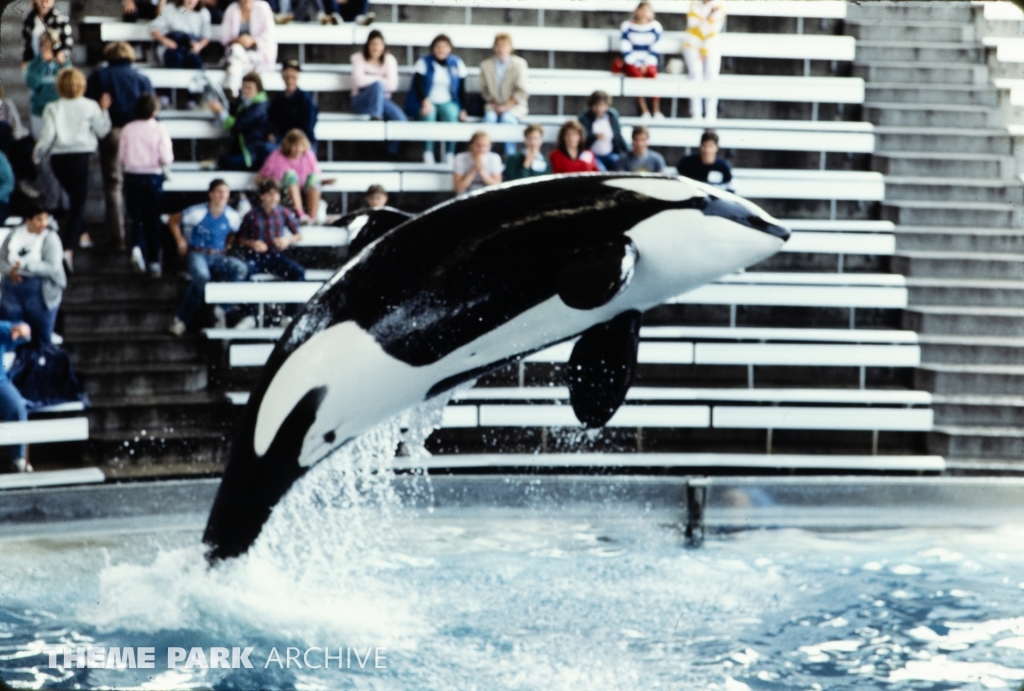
x: 57, y: 23
x: 587, y: 118
x: 423, y: 83
x: 249, y: 126
x: 295, y: 112
x: 124, y: 84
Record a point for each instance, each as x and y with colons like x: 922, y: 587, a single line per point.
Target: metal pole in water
x: 696, y: 500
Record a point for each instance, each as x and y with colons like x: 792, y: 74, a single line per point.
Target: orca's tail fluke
x: 252, y: 485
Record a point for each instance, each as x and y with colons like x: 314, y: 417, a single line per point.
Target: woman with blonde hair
x: 295, y: 169
x: 72, y: 128
x: 477, y: 168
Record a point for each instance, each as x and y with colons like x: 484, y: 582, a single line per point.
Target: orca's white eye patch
x: 665, y: 189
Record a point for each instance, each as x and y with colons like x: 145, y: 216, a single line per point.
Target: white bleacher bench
x: 577, y: 40
x: 1008, y: 48
x: 1015, y: 87
x: 820, y: 9
x: 52, y: 478
x: 762, y: 135
x: 44, y: 431
x: 1003, y: 10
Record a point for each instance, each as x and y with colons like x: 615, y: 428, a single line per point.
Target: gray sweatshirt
x: 72, y: 126
x: 50, y: 268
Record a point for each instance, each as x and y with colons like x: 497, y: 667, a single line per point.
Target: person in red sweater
x: 570, y: 156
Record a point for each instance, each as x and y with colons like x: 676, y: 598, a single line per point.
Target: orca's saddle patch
x: 601, y: 368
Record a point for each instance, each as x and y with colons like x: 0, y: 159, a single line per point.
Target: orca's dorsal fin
x: 595, y: 275
x: 601, y: 368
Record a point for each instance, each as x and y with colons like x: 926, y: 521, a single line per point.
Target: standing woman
x: 250, y: 41
x: 41, y: 79
x: 72, y: 128
x: 570, y: 156
x: 182, y: 31
x: 438, y: 91
x: 374, y: 80
x: 145, y: 150
x: 530, y: 161
x: 702, y: 51
x: 42, y: 19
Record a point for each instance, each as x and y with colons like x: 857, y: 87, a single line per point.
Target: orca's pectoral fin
x: 601, y: 368
x: 596, y: 275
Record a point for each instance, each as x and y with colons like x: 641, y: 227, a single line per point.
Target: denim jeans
x: 607, y: 162
x: 182, y: 58
x: 445, y: 112
x: 72, y: 171
x: 203, y: 268
x: 23, y: 302
x: 371, y: 101
x: 506, y: 118
x: 144, y: 200
x: 274, y: 263
x: 12, y: 409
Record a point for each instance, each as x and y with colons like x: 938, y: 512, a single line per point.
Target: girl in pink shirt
x: 294, y: 167
x: 144, y: 152
x: 374, y: 80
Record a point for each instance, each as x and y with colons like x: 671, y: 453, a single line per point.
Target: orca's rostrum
x: 467, y: 287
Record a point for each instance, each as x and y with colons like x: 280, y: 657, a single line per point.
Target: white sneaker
x: 449, y: 159
x: 366, y: 19
x: 220, y: 320
x: 69, y: 261
x: 155, y: 270
x: 138, y: 261
x: 246, y: 323
x: 658, y: 115
x: 428, y: 158
x: 322, y: 18
x: 645, y: 116
x: 336, y: 19
x: 22, y: 465
x: 177, y: 327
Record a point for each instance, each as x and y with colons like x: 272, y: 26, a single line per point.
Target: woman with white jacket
x: 72, y: 128
x: 250, y: 41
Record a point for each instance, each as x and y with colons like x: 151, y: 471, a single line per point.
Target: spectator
x: 250, y: 41
x: 707, y: 166
x: 16, y: 144
x: 72, y: 127
x: 477, y: 168
x: 569, y: 155
x: 603, y: 131
x: 376, y: 197
x: 33, y: 277
x: 294, y: 109
x: 641, y: 159
x: 702, y: 52
x: 41, y: 79
x: 294, y: 168
x: 438, y: 91
x: 134, y: 10
x: 125, y: 85
x: 504, y: 86
x: 182, y: 31
x: 639, y: 36
x: 216, y: 8
x: 357, y: 11
x: 6, y: 187
x: 12, y: 405
x: 42, y: 19
x: 529, y: 162
x: 267, y: 230
x: 374, y: 80
x: 249, y: 125
x: 201, y: 233
x: 145, y: 152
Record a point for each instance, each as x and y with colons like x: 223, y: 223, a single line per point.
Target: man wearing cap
x: 294, y: 109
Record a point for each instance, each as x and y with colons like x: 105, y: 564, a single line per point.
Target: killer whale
x: 467, y: 287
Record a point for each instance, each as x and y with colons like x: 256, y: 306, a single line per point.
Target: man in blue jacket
x: 294, y: 109
x: 124, y: 84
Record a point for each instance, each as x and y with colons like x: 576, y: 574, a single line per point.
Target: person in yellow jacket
x: 702, y: 52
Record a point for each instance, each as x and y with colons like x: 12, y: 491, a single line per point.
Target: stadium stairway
x: 952, y: 190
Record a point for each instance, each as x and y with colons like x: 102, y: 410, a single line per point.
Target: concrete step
x: 1001, y: 380
x: 113, y: 349
x: 945, y: 164
x: 975, y: 410
x: 927, y: 188
x: 162, y: 413
x: 127, y: 454
x: 144, y: 379
x: 916, y: 72
x: 946, y: 213
x: 899, y: 92
x: 947, y: 349
x: 116, y: 287
x: 102, y: 261
x: 965, y: 292
x: 117, y: 317
x: 960, y: 265
x: 977, y: 442
x: 924, y: 51
x: 929, y: 10
x: 964, y: 320
x: 888, y: 29
x: 953, y: 239
x: 944, y: 139
x: 930, y: 115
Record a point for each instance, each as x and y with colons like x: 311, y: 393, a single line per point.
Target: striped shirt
x: 637, y: 42
x: 703, y: 23
x: 259, y: 225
